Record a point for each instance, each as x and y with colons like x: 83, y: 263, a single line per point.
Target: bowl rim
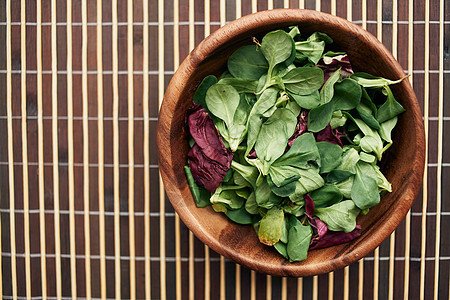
x: 194, y: 59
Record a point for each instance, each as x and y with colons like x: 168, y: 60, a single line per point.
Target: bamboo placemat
x: 83, y: 211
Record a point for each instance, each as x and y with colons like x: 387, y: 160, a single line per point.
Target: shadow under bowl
x: 402, y: 164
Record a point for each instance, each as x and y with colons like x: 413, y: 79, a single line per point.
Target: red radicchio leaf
x: 301, y: 127
x: 252, y: 154
x: 329, y: 65
x: 318, y: 226
x: 332, y: 238
x: 309, y: 207
x: 330, y: 135
x: 209, y: 159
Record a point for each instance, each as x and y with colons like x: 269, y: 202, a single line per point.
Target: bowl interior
x: 402, y: 163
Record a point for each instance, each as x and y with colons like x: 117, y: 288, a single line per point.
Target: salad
x: 288, y: 139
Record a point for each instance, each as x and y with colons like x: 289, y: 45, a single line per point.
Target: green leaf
x: 249, y: 173
x: 319, y: 117
x: 200, y: 194
x: 386, y: 129
x: 347, y: 94
x: 276, y: 47
x: 349, y: 159
x: 309, y: 181
x: 390, y: 108
x: 241, y: 85
x: 365, y: 190
x: 273, y: 137
x: 222, y: 100
x: 319, y: 36
x: 302, y: 154
x: 336, y: 176
x: 326, y: 196
x: 227, y: 197
x: 330, y: 156
x: 327, y: 91
x: 247, y: 62
x: 294, y: 31
x: 346, y: 187
x: 250, y: 205
x: 266, y: 100
x: 311, y: 50
x: 270, y: 227
x: 299, y: 239
x: 200, y: 93
x: 306, y: 101
x: 366, y: 115
x: 340, y: 216
x: 282, y: 249
x: 286, y: 188
x: 303, y: 80
x: 368, y: 158
x: 370, y: 81
x: 372, y: 143
x: 240, y: 216
x: 238, y: 131
x: 338, y: 119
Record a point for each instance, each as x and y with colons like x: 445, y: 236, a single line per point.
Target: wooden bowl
x: 403, y: 164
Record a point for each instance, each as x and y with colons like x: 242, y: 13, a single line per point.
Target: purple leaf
x: 301, y: 127
x: 320, y: 229
x: 332, y: 238
x: 309, y: 207
x: 329, y: 135
x: 329, y: 65
x: 209, y: 159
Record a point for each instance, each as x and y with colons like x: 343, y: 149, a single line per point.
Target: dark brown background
x: 419, y: 45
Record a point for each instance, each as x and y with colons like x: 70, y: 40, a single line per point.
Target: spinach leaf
x: 383, y: 183
x: 330, y: 156
x: 308, y: 50
x: 249, y: 173
x: 326, y: 196
x: 303, y: 80
x: 319, y: 117
x: 390, y: 108
x: 346, y: 187
x: 270, y: 227
x: 285, y: 189
x: 227, y: 197
x: 366, y: 115
x: 299, y: 239
x: 310, y: 180
x: 340, y: 216
x: 302, y: 154
x: 368, y: 158
x: 247, y: 62
x: 200, y: 194
x: 327, y: 91
x: 240, y: 216
x: 347, y: 94
x: 241, y: 85
x: 370, y: 81
x: 222, y: 100
x: 306, y: 101
x: 200, y: 93
x: 364, y: 190
x: 294, y: 31
x: 238, y: 130
x: 320, y: 36
x: 273, y: 137
x: 282, y: 249
x: 386, y: 129
x: 338, y: 119
x: 338, y: 176
x: 250, y: 205
x: 349, y: 159
x: 266, y: 101
x: 276, y: 47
